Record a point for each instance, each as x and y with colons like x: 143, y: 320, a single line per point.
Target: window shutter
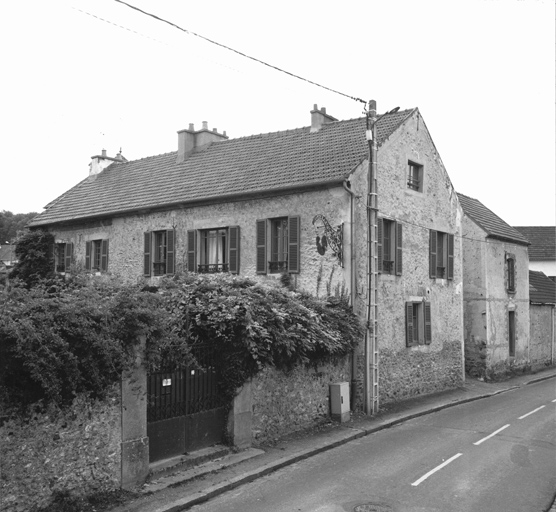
x: 293, y: 244
x: 428, y: 328
x: 432, y: 253
x: 68, y: 256
x: 147, y: 254
x: 170, y: 253
x: 409, y: 324
x: 104, y: 256
x: 261, y: 247
x: 87, y: 255
x: 192, y: 250
x: 398, y: 249
x: 233, y: 249
x: 450, y: 256
x: 379, y: 238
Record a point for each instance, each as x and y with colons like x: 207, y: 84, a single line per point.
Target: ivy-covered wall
x: 76, y: 450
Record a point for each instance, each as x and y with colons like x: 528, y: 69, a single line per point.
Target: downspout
x: 353, y: 387
x: 552, y: 335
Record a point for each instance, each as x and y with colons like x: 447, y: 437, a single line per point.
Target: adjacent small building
x: 542, y: 295
x: 495, y: 292
x: 542, y: 251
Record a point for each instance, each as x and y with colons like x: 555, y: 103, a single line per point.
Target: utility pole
x: 371, y: 341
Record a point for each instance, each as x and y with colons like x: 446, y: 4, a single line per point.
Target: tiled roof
x: 542, y: 290
x: 7, y: 252
x: 234, y: 167
x: 543, y: 242
x: 494, y: 226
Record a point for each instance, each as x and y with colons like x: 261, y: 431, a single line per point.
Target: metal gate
x: 185, y: 412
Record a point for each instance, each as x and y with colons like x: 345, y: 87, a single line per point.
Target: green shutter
x: 192, y: 250
x: 409, y: 324
x: 233, y: 249
x: 170, y: 252
x: 261, y: 246
x: 380, y: 241
x: 88, y: 255
x: 398, y: 256
x: 68, y: 256
x: 293, y: 244
x: 428, y: 327
x: 104, y: 255
x: 147, y: 253
x: 432, y: 253
x: 450, y: 256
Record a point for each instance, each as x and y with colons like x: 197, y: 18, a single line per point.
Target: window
x: 213, y: 250
x: 510, y: 272
x: 511, y: 332
x: 389, y: 252
x: 418, y: 330
x: 159, y: 253
x: 278, y: 245
x: 63, y: 255
x: 441, y: 255
x: 96, y: 255
x: 414, y: 176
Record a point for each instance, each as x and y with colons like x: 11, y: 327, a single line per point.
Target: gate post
x: 135, y: 443
x: 239, y: 419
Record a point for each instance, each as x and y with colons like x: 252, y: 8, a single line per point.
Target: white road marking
x: 491, y: 435
x: 445, y: 463
x: 525, y: 415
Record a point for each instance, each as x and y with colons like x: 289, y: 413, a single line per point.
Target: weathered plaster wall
x: 286, y: 402
x: 541, y: 348
x: 499, y: 302
x: 77, y: 450
x: 318, y: 273
x: 407, y: 371
x: 487, y: 303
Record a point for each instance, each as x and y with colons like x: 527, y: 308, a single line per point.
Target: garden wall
x: 77, y: 450
x: 283, y: 403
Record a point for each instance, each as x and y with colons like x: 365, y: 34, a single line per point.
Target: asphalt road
x: 491, y: 455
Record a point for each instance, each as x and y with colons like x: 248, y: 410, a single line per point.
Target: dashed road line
x: 535, y: 410
x: 445, y: 463
x: 491, y: 435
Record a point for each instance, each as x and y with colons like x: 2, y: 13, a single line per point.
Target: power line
x: 158, y: 18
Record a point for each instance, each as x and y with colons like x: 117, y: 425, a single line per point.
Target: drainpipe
x: 353, y: 387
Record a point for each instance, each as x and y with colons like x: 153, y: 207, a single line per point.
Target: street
x: 496, y: 454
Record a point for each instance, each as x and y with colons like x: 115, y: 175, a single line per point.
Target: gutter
x: 353, y: 386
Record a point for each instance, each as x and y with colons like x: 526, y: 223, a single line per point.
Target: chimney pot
x: 191, y: 127
x: 215, y: 130
x: 104, y: 152
x: 205, y: 125
x: 323, y: 110
x: 224, y: 133
x: 315, y: 107
x: 320, y: 118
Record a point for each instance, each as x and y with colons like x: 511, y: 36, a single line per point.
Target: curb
x: 271, y: 467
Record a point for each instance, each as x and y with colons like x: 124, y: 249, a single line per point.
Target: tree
x: 11, y: 223
x: 34, y: 251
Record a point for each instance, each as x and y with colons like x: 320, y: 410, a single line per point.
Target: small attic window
x: 414, y: 176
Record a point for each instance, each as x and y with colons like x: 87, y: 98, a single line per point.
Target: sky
x: 80, y: 76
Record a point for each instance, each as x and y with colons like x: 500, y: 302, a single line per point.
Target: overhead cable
x: 158, y: 18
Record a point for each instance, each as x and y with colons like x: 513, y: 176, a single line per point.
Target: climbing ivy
x: 67, y: 336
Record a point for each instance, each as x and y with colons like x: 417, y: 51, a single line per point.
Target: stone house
x: 495, y: 292
x: 542, y: 251
x: 542, y: 295
x: 293, y: 203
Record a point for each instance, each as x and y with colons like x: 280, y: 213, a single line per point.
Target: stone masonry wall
x: 408, y: 371
x: 286, y: 402
x: 76, y: 450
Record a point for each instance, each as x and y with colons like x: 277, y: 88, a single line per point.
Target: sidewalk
x: 182, y: 490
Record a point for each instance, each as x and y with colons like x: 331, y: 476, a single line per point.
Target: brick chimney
x: 101, y: 162
x: 189, y: 139
x: 319, y: 118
